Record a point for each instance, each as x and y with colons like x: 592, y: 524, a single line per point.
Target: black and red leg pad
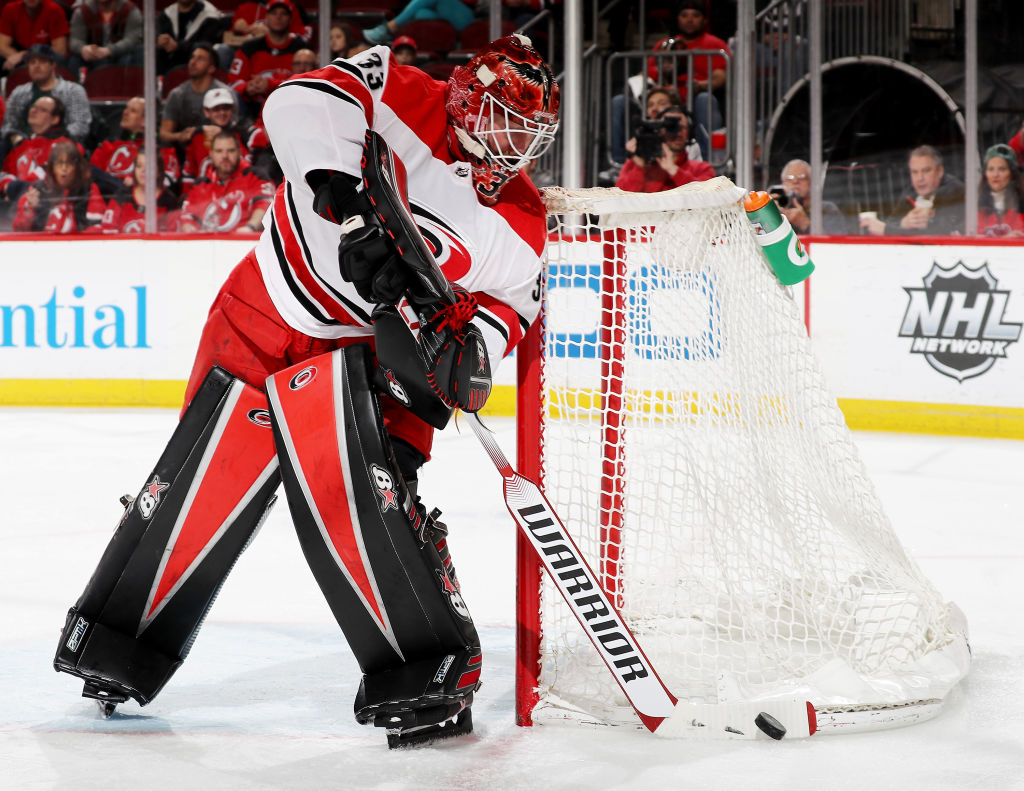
x: 357, y: 522
x: 175, y: 544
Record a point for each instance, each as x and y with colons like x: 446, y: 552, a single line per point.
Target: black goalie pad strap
x: 176, y: 542
x: 356, y: 521
x: 384, y: 184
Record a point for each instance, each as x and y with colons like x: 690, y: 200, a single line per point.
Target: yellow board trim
x: 861, y: 414
x: 168, y: 393
x: 92, y: 392
x: 924, y: 418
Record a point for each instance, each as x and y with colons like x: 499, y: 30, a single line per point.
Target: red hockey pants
x: 246, y: 336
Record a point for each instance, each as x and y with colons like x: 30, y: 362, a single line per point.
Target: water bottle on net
x: 788, y: 258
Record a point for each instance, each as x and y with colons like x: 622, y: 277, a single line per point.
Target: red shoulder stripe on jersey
x: 289, y: 276
x: 297, y: 264
x: 346, y: 306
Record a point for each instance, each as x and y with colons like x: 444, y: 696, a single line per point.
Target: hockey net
x: 689, y: 442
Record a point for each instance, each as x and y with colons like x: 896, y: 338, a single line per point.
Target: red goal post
x: 671, y: 408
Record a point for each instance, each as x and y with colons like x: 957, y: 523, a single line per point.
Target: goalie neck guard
x: 502, y: 111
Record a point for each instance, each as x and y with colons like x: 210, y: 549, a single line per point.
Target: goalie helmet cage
x: 688, y: 440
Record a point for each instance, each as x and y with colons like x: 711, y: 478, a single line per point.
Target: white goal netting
x: 692, y: 447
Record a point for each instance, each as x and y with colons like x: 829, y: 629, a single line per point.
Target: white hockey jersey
x: 317, y: 121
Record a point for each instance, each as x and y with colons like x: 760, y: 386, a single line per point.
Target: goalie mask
x: 502, y: 111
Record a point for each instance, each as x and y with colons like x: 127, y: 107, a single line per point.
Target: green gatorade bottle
x: 777, y: 238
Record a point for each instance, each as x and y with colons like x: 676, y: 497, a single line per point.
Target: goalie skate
x: 417, y: 736
x: 107, y: 698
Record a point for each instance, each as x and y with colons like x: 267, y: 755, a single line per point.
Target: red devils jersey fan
x: 26, y: 162
x: 326, y: 362
x: 231, y: 197
x: 264, y: 63
x: 116, y: 157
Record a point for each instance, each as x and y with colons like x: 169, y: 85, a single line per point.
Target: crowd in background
x: 72, y: 132
x: 71, y: 159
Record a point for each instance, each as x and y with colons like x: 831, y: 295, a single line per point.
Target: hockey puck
x: 770, y: 726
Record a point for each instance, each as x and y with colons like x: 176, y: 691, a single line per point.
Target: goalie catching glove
x: 455, y: 355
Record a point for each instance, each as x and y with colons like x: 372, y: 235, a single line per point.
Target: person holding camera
x: 794, y: 199
x: 660, y: 159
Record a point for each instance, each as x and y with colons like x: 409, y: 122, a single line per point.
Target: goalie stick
x: 658, y: 709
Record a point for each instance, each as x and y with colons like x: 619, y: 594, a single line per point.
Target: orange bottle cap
x: 756, y: 200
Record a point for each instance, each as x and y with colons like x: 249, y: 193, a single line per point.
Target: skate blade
x: 461, y: 724
x: 105, y: 697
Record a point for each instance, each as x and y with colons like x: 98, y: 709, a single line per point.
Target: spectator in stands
x: 262, y: 64
x: 183, y: 110
x: 304, y: 60
x: 658, y: 98
x: 105, y: 33
x: 221, y: 116
x: 404, y: 48
x: 796, y: 201
x: 66, y: 200
x: 181, y: 26
x: 126, y: 211
x: 249, y: 22
x: 936, y: 200
x: 115, y: 157
x: 659, y: 158
x: 27, y: 22
x: 231, y: 199
x: 26, y: 162
x: 44, y: 81
x: 343, y: 38
x: 708, y: 75
x: 1001, y: 194
x: 457, y: 12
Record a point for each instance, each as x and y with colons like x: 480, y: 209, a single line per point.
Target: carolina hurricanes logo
x: 450, y: 588
x: 385, y: 488
x: 261, y: 417
x: 122, y: 160
x: 149, y: 497
x: 302, y: 378
x: 449, y: 250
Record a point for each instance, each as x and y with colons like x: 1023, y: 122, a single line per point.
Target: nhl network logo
x: 956, y: 321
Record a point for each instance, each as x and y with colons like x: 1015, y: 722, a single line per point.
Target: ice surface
x: 265, y: 699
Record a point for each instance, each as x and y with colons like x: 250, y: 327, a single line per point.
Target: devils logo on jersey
x: 122, y: 160
x: 224, y: 214
x: 28, y: 168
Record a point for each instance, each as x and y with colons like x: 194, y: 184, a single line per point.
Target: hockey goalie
x: 326, y: 362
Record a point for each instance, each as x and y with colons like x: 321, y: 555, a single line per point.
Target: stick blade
x: 774, y: 719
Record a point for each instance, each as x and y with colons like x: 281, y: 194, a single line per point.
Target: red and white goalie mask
x: 502, y: 111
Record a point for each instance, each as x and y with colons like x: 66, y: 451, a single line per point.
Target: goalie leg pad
x: 176, y: 542
x: 367, y: 543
